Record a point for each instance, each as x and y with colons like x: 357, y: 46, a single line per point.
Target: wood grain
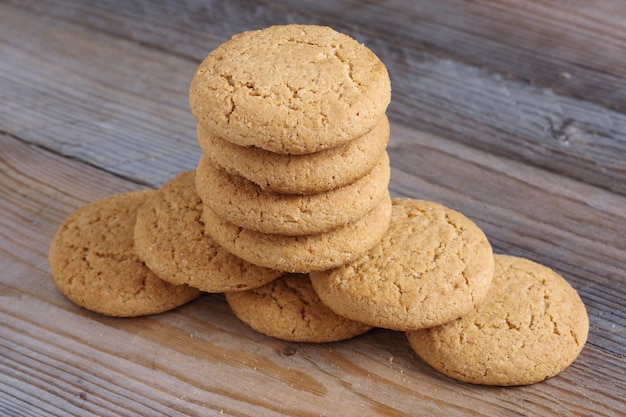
x: 575, y: 47
x: 93, y: 101
x: 433, y: 93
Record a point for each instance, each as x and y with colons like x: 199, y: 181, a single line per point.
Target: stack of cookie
x: 289, y: 214
x: 294, y: 173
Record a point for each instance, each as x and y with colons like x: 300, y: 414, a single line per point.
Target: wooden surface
x: 512, y: 112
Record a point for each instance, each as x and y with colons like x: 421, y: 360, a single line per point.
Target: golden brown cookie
x: 432, y: 266
x: 299, y: 174
x: 245, y: 204
x: 170, y: 239
x: 289, y: 309
x: 290, y: 89
x: 531, y: 326
x: 93, y: 261
x: 302, y: 253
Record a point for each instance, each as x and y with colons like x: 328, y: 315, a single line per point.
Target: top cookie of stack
x: 292, y: 125
x: 291, y: 89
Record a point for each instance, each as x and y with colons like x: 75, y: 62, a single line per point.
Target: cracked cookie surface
x: 302, y: 254
x: 245, y: 204
x: 94, y: 264
x: 298, y: 174
x: 289, y: 309
x: 290, y: 89
x: 170, y: 239
x: 531, y: 326
x: 432, y: 266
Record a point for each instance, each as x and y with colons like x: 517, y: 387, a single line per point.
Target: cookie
x: 289, y: 309
x: 299, y: 174
x: 93, y: 261
x: 290, y: 89
x: 302, y: 253
x: 531, y: 326
x: 245, y: 204
x: 432, y: 266
x: 170, y: 239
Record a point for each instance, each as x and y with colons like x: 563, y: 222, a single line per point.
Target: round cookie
x: 531, y: 326
x: 289, y: 309
x: 302, y: 253
x: 245, y: 204
x: 432, y: 266
x: 290, y: 89
x: 170, y: 239
x: 94, y: 264
x: 299, y: 174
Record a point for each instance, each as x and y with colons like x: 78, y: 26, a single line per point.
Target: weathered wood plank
x: 99, y: 99
x: 576, y: 47
x: 440, y: 95
x: 153, y: 366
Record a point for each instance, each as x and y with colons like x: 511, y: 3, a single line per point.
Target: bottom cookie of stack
x: 302, y: 254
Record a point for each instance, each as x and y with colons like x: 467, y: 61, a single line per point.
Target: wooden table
x: 512, y: 112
